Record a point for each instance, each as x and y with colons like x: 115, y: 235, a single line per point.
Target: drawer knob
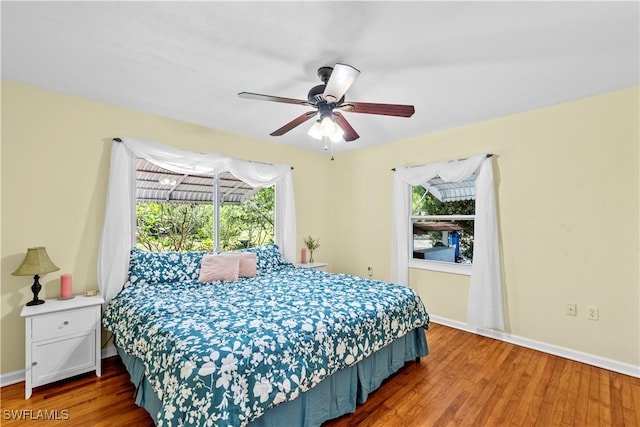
x: 65, y: 323
x: 34, y: 363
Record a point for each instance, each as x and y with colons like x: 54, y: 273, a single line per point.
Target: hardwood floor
x: 467, y: 380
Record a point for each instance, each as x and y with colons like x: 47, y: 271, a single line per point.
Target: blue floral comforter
x: 221, y: 353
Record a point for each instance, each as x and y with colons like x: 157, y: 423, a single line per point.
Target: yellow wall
x: 567, y: 180
x: 568, y: 196
x: 55, y: 167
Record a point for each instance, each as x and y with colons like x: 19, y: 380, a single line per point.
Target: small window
x: 442, y: 220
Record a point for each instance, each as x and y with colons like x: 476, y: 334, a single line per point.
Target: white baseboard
x: 18, y: 376
x: 12, y: 378
x: 567, y: 353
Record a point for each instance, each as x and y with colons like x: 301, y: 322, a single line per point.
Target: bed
x: 291, y: 346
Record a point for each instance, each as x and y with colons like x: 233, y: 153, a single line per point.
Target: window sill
x: 445, y: 267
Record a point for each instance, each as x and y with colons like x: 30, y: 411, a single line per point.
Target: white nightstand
x: 62, y: 340
x: 321, y: 266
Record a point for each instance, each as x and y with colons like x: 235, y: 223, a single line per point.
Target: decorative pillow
x: 269, y: 258
x: 157, y: 267
x: 217, y: 267
x: 247, y: 265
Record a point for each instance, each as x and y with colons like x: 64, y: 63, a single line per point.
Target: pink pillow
x: 248, y: 263
x: 215, y: 267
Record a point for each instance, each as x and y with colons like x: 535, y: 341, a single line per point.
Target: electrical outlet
x: 370, y: 271
x: 592, y: 313
x: 571, y: 309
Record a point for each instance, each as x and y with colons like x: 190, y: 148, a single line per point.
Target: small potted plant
x: 312, y: 244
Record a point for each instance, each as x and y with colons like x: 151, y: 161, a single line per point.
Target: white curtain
x: 118, y: 234
x: 485, y: 308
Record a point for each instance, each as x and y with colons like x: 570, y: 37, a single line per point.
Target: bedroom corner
x: 560, y: 171
x: 60, y: 145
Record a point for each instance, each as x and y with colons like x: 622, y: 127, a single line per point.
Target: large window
x: 442, y: 225
x: 177, y: 212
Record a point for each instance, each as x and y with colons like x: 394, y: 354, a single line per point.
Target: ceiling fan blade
x: 397, y: 110
x: 342, y: 77
x: 293, y: 123
x: 349, y: 133
x: 259, y: 97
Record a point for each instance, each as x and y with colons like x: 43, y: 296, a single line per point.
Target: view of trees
x: 174, y: 226
x: 249, y: 224
x: 189, y: 226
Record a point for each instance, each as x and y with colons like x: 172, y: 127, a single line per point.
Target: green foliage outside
x: 429, y: 205
x: 174, y: 226
x: 249, y: 224
x: 189, y: 226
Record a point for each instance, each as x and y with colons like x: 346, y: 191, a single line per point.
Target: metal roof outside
x: 156, y: 184
x: 452, y: 191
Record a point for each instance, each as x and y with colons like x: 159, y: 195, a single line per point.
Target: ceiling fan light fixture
x: 327, y: 126
x: 337, y: 135
x: 315, y: 131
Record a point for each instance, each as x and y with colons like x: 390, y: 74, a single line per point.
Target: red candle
x: 303, y: 256
x: 65, y: 286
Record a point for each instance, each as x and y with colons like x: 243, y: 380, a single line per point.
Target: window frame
x: 431, y: 265
x: 216, y: 202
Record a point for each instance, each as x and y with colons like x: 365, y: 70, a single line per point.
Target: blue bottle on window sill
x: 454, y: 240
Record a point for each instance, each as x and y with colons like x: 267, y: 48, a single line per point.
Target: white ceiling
x: 457, y: 62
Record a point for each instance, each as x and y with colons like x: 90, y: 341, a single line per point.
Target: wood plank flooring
x: 467, y: 380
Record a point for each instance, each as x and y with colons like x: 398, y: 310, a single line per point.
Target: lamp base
x: 35, y: 288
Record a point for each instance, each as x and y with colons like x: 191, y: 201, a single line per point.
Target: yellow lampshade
x: 35, y: 262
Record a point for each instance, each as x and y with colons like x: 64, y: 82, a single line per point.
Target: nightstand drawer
x: 63, y: 323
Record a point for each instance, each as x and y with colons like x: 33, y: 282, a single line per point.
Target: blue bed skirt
x: 333, y: 397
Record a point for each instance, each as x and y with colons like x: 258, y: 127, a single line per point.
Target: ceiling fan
x: 326, y: 99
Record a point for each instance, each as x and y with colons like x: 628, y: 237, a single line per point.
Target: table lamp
x: 36, y: 262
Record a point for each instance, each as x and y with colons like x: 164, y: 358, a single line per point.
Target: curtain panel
x: 118, y: 233
x: 485, y: 308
